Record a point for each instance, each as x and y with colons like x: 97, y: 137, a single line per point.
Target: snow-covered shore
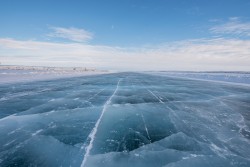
x: 16, y: 74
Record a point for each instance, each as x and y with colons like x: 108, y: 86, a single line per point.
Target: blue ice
x: 125, y: 119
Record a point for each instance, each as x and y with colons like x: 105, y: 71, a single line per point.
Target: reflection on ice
x: 123, y: 120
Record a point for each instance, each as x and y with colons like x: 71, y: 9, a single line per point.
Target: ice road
x: 123, y: 120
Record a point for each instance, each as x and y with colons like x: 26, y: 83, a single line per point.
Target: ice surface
x: 124, y: 119
x: 234, y: 77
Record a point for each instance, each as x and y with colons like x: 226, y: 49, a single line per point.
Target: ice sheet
x: 233, y: 77
x: 124, y: 119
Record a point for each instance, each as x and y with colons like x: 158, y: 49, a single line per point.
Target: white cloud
x: 234, y: 26
x: 199, y: 54
x: 73, y: 34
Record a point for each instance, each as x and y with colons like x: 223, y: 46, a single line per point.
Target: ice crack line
x: 95, y: 95
x: 155, y: 96
x: 146, y: 129
x: 94, y: 130
x: 143, y: 119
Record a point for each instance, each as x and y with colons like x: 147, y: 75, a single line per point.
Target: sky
x: 127, y: 35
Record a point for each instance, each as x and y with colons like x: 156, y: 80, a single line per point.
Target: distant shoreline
x: 45, y: 68
x: 17, y: 74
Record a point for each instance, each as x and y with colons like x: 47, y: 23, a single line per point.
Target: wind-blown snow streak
x: 94, y: 130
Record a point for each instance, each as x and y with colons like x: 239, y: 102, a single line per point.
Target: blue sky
x: 127, y: 34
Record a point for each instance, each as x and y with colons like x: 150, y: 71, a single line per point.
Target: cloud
x: 198, y: 54
x: 73, y: 34
x: 234, y: 27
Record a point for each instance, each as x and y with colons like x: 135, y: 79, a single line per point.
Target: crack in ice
x: 95, y: 95
x: 94, y: 130
x: 146, y: 129
x: 160, y: 101
x: 143, y: 119
x: 155, y: 96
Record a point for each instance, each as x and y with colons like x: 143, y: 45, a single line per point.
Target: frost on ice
x: 125, y: 119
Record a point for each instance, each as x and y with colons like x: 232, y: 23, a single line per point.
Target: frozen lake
x: 123, y: 120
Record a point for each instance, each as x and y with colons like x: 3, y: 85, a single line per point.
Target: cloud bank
x: 198, y: 55
x: 195, y: 55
